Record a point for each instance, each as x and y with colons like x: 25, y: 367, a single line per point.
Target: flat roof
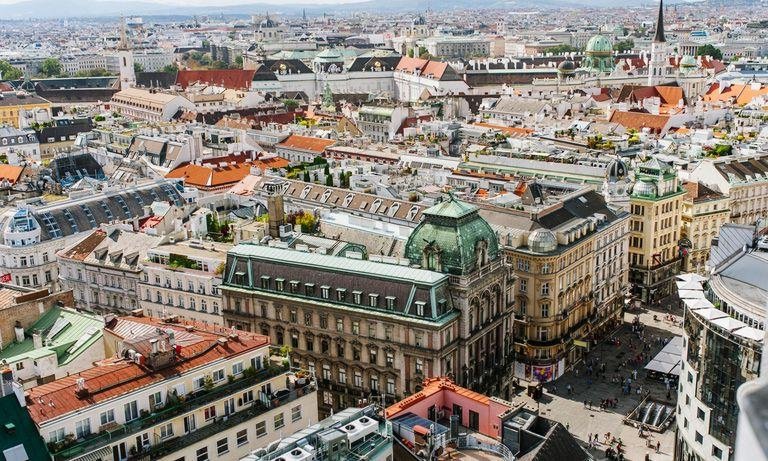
x: 376, y: 269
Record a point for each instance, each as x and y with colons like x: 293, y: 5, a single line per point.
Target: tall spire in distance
x: 659, y: 37
x: 124, y: 44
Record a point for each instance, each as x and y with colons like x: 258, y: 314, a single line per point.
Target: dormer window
x: 420, y: 308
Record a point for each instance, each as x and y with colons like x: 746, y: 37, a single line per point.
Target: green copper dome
x: 599, y: 44
x: 452, y: 238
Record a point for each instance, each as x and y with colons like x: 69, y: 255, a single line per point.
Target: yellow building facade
x: 12, y: 104
x: 704, y: 212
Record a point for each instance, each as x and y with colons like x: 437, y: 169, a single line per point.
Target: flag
x: 5, y: 278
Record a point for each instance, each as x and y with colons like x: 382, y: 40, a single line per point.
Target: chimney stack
x: 37, y: 340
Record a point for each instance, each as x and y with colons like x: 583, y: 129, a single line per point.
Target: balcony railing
x: 190, y: 403
x: 220, y: 424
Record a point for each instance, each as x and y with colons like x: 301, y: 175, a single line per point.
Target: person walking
x: 658, y: 446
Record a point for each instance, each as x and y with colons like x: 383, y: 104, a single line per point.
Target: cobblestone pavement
x: 569, y: 409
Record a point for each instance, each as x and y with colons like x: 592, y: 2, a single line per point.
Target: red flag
x: 5, y: 278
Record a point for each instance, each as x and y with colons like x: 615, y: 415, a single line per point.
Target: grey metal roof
x: 730, y: 241
x: 293, y: 257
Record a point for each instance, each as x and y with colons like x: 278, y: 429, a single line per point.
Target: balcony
x: 192, y: 402
x: 220, y: 424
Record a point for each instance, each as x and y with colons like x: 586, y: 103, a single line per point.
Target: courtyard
x: 575, y: 398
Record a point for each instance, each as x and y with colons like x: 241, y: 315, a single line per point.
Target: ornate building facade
x: 371, y: 330
x: 656, y: 205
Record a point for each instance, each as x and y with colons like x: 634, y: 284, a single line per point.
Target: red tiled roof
x: 295, y: 141
x: 736, y: 94
x: 422, y: 67
x: 84, y: 247
x: 115, y: 377
x: 234, y: 79
x: 640, y: 120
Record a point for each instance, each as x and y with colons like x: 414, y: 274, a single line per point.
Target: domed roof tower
x: 452, y: 238
x: 598, y: 55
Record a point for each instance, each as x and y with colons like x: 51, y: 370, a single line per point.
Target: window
x: 388, y: 333
x: 342, y: 376
x: 107, y: 417
x: 391, y: 302
x: 545, y: 288
x: 340, y: 325
x: 420, y: 308
x: 279, y: 421
x: 308, y: 319
x: 523, y: 284
x: 57, y: 435
x: 189, y: 424
x: 419, y: 366
x: 222, y: 446
x: 390, y: 386
x: 371, y: 329
x: 83, y: 428
x: 166, y: 431
x: 545, y: 310
x: 341, y: 294
x: 247, y: 397
x: 202, y: 454
x: 699, y: 438
x: 199, y: 382
x: 237, y: 368
x: 717, y: 453
x: 374, y: 383
x: 323, y: 322
x: 372, y: 356
x: 390, y: 357
x: 210, y: 412
x: 156, y: 399
x: 327, y: 398
x: 296, y: 413
x: 131, y: 411
x: 700, y: 414
x: 373, y: 300
x: 294, y: 317
x: 242, y: 437
x: 357, y: 297
x: 324, y: 291
x: 358, y: 379
x: 279, y: 284
x: 261, y: 429
x: 356, y: 328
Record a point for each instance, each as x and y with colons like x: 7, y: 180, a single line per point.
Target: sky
x: 218, y: 2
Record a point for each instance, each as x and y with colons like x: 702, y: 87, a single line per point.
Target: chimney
x: 153, y: 342
x: 19, y: 330
x: 275, y: 209
x: 37, y: 340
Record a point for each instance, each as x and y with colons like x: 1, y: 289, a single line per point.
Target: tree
x: 100, y: 72
x: 138, y: 67
x: 219, y: 65
x: 170, y: 69
x: 50, y: 67
x: 561, y: 49
x: 709, y: 50
x: 329, y: 180
x: 290, y: 104
x: 8, y: 72
x: 306, y: 176
x: 624, y: 45
x: 238, y: 64
x: 410, y: 53
x: 423, y: 53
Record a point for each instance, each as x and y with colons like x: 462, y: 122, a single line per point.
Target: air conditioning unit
x: 367, y: 426
x: 297, y: 454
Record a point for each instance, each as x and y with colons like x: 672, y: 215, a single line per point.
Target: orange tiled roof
x: 210, y: 175
x: 639, y: 120
x: 115, y: 377
x: 310, y: 143
x: 234, y: 79
x: 736, y: 94
x: 11, y: 173
x: 424, y: 66
x: 513, y: 131
x: 433, y: 387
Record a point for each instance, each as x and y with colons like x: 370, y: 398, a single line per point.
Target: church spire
x: 123, y: 44
x: 659, y: 37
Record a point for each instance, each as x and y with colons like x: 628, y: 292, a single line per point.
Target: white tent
x: 691, y: 277
x: 697, y: 303
x: 684, y: 294
x: 688, y: 285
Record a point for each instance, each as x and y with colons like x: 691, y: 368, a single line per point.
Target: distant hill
x: 99, y: 8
